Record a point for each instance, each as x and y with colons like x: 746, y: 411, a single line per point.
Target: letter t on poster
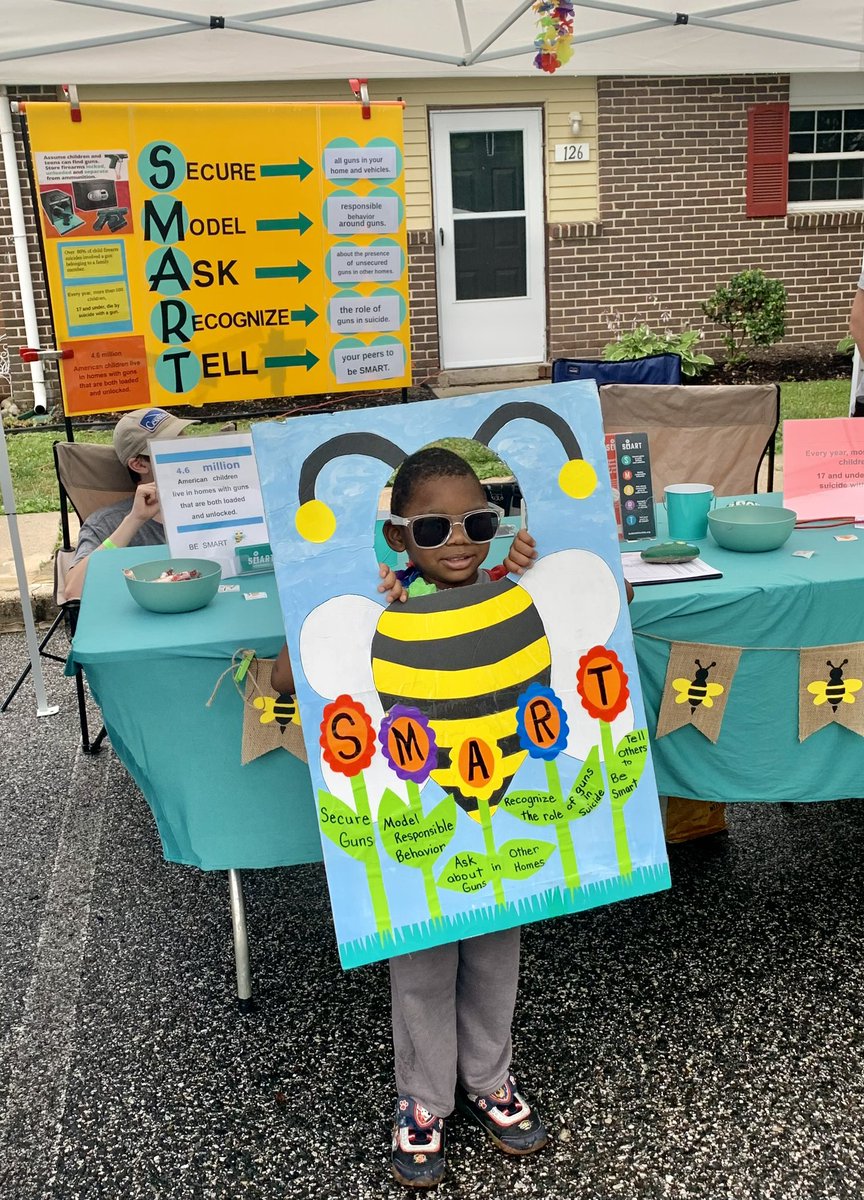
x: 210, y: 496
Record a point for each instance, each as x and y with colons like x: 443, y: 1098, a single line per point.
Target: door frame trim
x: 538, y: 106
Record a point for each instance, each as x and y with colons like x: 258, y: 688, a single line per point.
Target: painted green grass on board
x: 554, y: 902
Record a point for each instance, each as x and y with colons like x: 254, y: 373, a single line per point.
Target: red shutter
x: 767, y: 159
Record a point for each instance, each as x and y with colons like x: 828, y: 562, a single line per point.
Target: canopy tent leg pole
x: 28, y: 305
x: 241, y: 943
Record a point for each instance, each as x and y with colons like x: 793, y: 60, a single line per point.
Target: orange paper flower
x: 602, y: 683
x: 347, y: 737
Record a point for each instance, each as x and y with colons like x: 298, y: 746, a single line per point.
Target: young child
x: 452, y: 1005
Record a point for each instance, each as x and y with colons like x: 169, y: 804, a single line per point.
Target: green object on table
x: 152, y: 675
x: 752, y: 528
x: 670, y: 552
x: 186, y: 595
x: 763, y: 600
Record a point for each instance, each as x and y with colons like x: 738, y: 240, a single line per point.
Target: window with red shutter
x: 767, y: 159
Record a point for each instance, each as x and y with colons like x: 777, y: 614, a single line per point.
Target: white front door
x: 487, y: 171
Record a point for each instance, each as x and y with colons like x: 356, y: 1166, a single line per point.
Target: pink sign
x: 823, y: 468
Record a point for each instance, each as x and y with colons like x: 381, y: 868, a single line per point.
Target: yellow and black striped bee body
x: 697, y: 690
x: 463, y: 657
x: 283, y: 710
x: 835, y: 690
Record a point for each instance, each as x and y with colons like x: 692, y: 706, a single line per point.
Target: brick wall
x: 672, y: 223
x: 10, y: 296
x: 424, y: 303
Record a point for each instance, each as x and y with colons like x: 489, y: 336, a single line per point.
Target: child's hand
x: 521, y: 554
x: 391, y: 585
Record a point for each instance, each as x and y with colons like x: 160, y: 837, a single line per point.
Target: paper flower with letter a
x: 541, y: 722
x: 602, y: 683
x: 347, y: 737
x: 480, y: 767
x: 408, y: 742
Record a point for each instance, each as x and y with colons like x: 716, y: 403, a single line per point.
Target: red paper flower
x: 347, y: 737
x: 602, y: 683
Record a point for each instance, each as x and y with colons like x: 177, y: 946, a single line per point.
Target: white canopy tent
x: 121, y: 41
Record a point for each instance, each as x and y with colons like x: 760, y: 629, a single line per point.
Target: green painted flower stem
x: 562, y: 830
x: 426, y: 868
x: 372, y: 862
x: 619, y: 826
x: 491, y: 852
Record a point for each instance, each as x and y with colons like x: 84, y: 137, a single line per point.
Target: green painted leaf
x: 344, y: 827
x: 523, y: 857
x: 410, y: 837
x: 588, y: 788
x: 631, y: 755
x: 468, y: 872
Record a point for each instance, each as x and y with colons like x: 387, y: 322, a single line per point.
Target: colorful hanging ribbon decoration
x: 554, y: 40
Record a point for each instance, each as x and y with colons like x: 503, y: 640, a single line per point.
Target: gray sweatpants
x: 452, y: 1012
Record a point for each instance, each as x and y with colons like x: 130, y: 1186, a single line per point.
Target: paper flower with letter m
x: 408, y: 742
x: 541, y: 722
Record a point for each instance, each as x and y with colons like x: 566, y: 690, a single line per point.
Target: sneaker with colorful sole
x: 417, y: 1155
x: 510, y: 1121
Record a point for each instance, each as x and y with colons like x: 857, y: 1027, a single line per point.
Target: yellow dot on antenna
x: 577, y: 478
x: 315, y: 521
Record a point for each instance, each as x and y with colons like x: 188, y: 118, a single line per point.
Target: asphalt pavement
x: 703, y: 1044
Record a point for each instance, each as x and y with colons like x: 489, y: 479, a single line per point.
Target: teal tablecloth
x: 152, y: 674
x: 763, y: 600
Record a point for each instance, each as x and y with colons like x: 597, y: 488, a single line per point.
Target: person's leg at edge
x: 422, y: 992
x: 486, y: 987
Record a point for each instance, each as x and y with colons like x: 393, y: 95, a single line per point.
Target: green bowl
x: 751, y: 527
x: 181, y: 597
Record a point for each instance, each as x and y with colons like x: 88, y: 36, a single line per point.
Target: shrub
x: 846, y: 345
x: 642, y: 342
x: 751, y: 309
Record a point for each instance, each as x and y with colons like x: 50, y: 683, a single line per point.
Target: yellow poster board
x: 223, y: 252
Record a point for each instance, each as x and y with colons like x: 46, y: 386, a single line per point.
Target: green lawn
x: 36, y: 489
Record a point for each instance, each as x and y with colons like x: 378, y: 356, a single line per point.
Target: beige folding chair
x: 717, y: 435
x: 89, y: 477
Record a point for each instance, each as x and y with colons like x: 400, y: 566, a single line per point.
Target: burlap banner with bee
x: 830, y: 678
x: 270, y: 721
x: 696, y: 691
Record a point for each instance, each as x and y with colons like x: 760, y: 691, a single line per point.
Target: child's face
x: 456, y: 563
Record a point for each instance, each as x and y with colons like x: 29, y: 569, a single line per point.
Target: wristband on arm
x: 109, y: 545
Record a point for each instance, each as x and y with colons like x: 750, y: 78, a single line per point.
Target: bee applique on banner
x: 478, y: 753
x: 271, y: 720
x: 696, y: 691
x: 831, y: 679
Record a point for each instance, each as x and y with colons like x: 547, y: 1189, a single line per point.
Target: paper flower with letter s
x: 408, y: 742
x: 541, y: 722
x: 347, y: 737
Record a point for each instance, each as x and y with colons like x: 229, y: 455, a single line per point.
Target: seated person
x: 137, y: 520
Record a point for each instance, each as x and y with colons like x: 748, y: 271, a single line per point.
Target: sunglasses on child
x: 431, y: 530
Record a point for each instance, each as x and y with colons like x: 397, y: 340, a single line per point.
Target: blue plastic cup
x: 687, y: 508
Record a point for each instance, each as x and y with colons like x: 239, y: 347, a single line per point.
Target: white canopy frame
x: 434, y: 31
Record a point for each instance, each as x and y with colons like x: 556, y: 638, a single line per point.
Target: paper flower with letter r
x: 408, y: 742
x: 541, y: 722
x: 347, y: 737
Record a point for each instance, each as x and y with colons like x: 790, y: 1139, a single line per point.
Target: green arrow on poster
x: 307, y: 315
x: 307, y: 360
x: 298, y: 271
x: 275, y: 224
x: 300, y: 168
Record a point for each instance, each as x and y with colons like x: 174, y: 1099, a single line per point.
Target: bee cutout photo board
x: 478, y: 754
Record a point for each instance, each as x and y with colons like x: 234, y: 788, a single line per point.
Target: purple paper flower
x: 408, y: 742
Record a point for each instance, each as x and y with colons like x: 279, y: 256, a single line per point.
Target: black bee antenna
x: 577, y: 478
x: 315, y: 520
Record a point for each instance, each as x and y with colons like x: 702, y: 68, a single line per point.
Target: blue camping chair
x: 655, y: 369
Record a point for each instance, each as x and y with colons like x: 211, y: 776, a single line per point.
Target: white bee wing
x: 579, y: 603
x: 335, y: 647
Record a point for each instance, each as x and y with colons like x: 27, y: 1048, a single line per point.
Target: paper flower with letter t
x: 541, y: 722
x: 602, y: 684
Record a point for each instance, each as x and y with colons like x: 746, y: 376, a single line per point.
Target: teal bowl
x: 751, y: 528
x: 185, y: 596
